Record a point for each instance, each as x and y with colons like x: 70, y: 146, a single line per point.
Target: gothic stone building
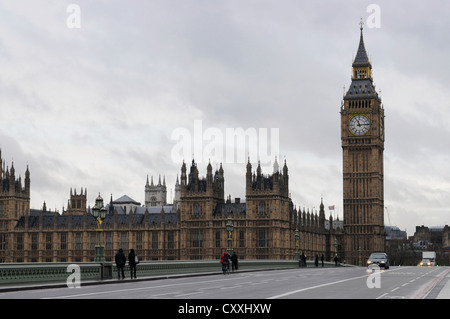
x: 264, y: 226
x: 362, y: 135
x: 156, y: 195
x: 14, y: 204
x: 195, y: 228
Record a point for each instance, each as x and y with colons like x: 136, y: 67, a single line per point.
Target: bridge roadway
x: 318, y: 283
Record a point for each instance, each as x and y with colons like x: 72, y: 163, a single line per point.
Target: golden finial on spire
x: 361, y: 23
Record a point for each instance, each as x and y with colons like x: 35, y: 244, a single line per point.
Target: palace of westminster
x: 266, y: 226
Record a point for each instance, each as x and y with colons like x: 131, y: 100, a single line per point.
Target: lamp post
x: 335, y: 250
x: 359, y: 256
x: 297, y: 237
x: 230, y: 229
x: 99, y: 213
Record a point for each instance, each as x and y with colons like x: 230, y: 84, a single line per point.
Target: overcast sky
x: 97, y: 104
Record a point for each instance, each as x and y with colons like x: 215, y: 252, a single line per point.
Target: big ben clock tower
x: 362, y: 135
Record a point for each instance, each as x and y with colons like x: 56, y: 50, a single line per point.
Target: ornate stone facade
x: 14, y: 204
x: 264, y: 226
x: 362, y: 133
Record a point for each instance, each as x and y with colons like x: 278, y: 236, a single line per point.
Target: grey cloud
x: 136, y: 71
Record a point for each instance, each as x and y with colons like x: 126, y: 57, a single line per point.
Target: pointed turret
x: 12, y: 180
x: 27, y: 182
x: 285, y: 168
x: 276, y: 167
x: 176, y: 201
x: 209, y: 175
x: 1, y: 166
x: 362, y: 86
x: 221, y: 170
x: 321, y: 214
x: 183, y: 174
x: 111, y: 204
x: 361, y: 58
x: 249, y: 167
x: 248, y: 177
x: 12, y: 172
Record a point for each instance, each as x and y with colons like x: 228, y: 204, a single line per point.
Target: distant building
x: 395, y: 233
x: 156, y: 195
x: 265, y: 225
x: 431, y: 238
x: 126, y: 204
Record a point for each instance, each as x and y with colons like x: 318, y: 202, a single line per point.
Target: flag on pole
x: 331, y: 207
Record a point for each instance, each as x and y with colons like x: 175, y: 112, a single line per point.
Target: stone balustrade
x: 20, y: 273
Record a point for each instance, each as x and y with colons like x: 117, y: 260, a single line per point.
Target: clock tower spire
x: 362, y: 138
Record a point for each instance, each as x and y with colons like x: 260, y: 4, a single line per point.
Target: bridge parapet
x: 44, y: 272
x: 20, y: 273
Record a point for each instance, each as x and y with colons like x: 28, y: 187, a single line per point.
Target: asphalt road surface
x: 317, y: 283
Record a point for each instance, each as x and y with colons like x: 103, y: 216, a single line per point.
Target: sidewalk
x: 63, y: 284
x: 443, y: 294
x: 445, y: 291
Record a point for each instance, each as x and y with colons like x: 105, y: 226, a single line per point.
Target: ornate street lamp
x: 359, y: 256
x: 230, y: 229
x: 335, y: 250
x: 99, y: 213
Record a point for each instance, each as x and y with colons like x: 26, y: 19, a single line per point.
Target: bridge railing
x: 46, y: 272
x: 152, y: 268
x: 11, y: 273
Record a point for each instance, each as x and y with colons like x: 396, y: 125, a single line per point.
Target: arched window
x: 261, y: 209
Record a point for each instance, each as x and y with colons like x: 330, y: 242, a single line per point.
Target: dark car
x: 380, y: 259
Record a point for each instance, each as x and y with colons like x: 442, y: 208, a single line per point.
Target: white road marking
x: 133, y: 289
x: 319, y: 286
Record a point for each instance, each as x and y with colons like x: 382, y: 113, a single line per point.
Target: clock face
x: 359, y: 125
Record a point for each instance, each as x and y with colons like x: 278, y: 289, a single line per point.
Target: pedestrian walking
x: 322, y: 258
x: 303, y: 257
x: 133, y: 260
x: 336, y: 260
x: 225, y: 261
x: 234, y: 261
x: 120, y: 263
x: 316, y: 261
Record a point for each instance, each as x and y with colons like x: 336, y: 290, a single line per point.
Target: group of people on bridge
x: 121, y: 260
x: 316, y: 260
x: 225, y: 260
